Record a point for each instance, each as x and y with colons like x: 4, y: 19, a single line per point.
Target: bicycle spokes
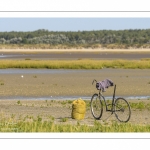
x: 96, y: 106
x: 122, y: 110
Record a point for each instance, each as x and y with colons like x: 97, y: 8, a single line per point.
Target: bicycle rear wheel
x: 122, y: 110
x: 96, y: 106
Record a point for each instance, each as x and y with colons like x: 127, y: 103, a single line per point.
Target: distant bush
x: 84, y: 39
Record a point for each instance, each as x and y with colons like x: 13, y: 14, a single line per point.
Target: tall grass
x: 50, y: 126
x: 76, y: 64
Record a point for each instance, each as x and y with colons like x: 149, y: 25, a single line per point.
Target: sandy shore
x: 75, y: 50
x: 74, y: 54
x: 58, y: 110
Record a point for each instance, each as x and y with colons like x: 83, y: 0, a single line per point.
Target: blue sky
x: 72, y: 24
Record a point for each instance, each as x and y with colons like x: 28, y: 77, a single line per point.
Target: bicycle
x: 119, y: 106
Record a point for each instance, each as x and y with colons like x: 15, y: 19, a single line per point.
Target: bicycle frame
x: 113, y: 100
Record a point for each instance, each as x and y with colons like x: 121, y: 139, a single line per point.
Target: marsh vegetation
x: 76, y: 64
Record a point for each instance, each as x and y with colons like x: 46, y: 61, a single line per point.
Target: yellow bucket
x: 78, y: 109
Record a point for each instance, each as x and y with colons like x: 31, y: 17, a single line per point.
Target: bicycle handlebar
x: 93, y: 81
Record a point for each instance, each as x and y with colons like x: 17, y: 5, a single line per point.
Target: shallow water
x: 42, y: 71
x: 66, y: 71
x: 74, y: 55
x: 71, y: 98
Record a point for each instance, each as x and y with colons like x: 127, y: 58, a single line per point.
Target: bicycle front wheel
x: 96, y: 106
x: 122, y: 110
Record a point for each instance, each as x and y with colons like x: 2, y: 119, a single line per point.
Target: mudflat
x: 130, y: 83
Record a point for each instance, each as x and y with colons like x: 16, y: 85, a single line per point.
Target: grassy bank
x: 76, y: 64
x: 37, y: 125
x: 30, y: 123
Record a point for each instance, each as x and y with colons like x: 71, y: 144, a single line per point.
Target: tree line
x: 101, y: 38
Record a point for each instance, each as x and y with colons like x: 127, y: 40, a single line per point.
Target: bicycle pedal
x: 108, y: 109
